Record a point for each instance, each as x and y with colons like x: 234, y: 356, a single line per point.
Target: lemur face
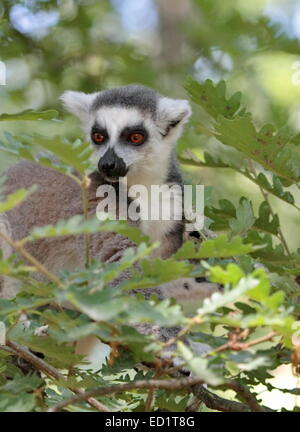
x: 133, y: 130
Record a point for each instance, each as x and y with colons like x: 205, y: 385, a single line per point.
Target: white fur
x: 159, y: 211
x: 78, y: 103
x: 148, y: 164
x: 94, y: 351
x: 173, y: 109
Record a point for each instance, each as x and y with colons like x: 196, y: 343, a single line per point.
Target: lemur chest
x: 157, y: 209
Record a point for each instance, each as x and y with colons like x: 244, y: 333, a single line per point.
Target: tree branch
x: 171, y: 384
x: 18, y: 246
x: 194, y: 405
x: 216, y: 402
x: 23, y: 352
x: 235, y: 345
x: 195, y: 320
x: 38, y: 363
x: 245, y: 394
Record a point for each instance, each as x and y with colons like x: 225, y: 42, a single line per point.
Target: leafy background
x: 235, y: 61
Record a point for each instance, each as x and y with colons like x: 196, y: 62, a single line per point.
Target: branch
x: 194, y: 405
x: 213, y: 401
x: 232, y: 344
x: 18, y: 246
x: 235, y: 345
x: 245, y: 394
x: 150, y: 397
x: 183, y: 332
x: 171, y: 384
x: 247, y: 174
x: 23, y: 352
x: 210, y: 399
x: 218, y: 403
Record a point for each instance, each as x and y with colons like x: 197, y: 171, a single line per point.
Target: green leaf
x: 156, y: 272
x: 246, y: 361
x: 276, y: 188
x: 22, y: 402
x: 171, y: 402
x: 58, y: 354
x: 222, y: 215
x: 189, y: 158
x: 76, y: 154
x: 213, y: 97
x: 266, y: 222
x: 69, y: 156
x: 166, y: 270
x: 270, y: 147
x: 229, y: 296
x: 13, y: 267
x: 198, y: 366
x: 232, y: 274
x: 15, y: 198
x: 21, y: 384
x: 77, y: 225
x: 244, y: 218
x: 16, y: 148
x: 165, y: 313
x: 274, y: 257
x: 220, y: 247
x: 267, y: 146
x: 22, y: 304
x: 129, y: 258
x: 30, y: 114
x: 100, y: 305
x: 221, y: 160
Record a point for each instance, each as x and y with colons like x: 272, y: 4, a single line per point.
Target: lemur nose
x: 109, y: 166
x: 112, y: 165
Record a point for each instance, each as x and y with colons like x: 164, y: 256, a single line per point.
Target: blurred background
x: 49, y: 46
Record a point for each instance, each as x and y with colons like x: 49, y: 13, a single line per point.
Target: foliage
x: 249, y: 326
x: 248, y: 302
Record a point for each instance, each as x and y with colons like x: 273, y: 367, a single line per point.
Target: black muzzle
x: 111, y: 165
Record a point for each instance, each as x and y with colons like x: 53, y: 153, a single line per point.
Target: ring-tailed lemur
x: 134, y: 131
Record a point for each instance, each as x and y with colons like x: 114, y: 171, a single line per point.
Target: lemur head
x: 133, y: 129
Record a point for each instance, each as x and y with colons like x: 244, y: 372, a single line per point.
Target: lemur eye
x: 137, y: 138
x: 98, y: 137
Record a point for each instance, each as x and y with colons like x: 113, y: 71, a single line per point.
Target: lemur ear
x: 172, y: 113
x: 77, y: 103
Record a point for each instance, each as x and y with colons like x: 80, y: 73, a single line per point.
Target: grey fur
x: 174, y: 173
x: 172, y: 241
x: 131, y: 96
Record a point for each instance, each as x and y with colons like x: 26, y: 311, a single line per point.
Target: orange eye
x: 136, y: 138
x: 98, y: 137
